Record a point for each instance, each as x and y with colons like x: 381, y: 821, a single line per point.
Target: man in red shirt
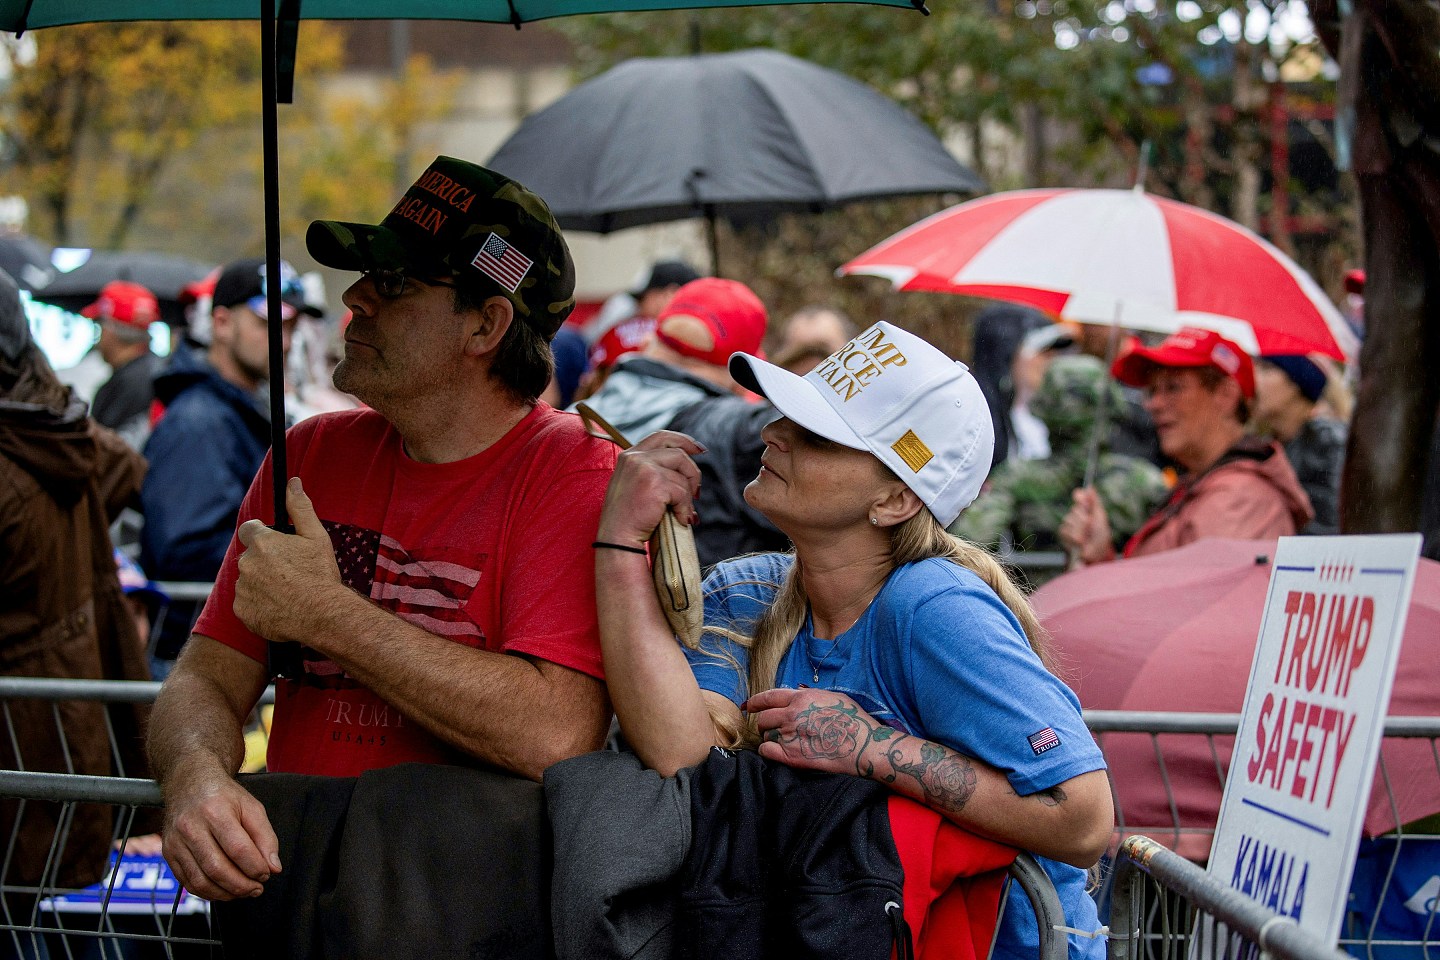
x: 439, y: 584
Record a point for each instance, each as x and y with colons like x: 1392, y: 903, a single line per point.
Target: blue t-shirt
x: 937, y: 655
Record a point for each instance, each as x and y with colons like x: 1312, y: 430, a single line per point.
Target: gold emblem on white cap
x: 912, y: 450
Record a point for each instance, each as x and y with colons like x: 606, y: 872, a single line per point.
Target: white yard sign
x: 1310, y: 731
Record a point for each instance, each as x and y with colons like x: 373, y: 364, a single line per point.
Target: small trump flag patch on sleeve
x: 1044, y: 740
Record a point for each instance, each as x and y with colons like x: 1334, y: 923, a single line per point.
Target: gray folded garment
x: 621, y: 834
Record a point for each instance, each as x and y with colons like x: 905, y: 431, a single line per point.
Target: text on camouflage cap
x: 461, y: 219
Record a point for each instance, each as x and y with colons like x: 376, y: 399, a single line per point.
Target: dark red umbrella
x: 1176, y: 632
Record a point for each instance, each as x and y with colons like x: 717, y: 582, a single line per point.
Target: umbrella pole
x: 283, y: 659
x: 1092, y: 449
x: 270, y: 121
x: 714, y: 236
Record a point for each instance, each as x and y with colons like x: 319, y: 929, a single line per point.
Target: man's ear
x: 898, y: 504
x: 488, y: 326
x: 221, y: 322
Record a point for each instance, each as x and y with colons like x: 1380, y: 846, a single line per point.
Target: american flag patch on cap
x: 1044, y: 740
x: 502, y: 263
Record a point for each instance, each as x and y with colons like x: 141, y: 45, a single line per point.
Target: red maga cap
x: 730, y: 311
x: 126, y: 303
x: 1188, y: 347
x: 627, y: 336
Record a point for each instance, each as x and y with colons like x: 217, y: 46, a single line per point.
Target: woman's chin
x: 756, y: 498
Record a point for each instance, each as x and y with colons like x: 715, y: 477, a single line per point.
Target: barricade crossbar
x: 1177, y: 889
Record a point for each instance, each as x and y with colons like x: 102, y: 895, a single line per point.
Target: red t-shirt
x: 492, y: 551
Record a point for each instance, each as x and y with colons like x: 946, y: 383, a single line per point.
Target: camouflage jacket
x: 1024, y: 501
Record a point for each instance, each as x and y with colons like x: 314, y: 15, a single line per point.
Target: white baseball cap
x: 889, y: 392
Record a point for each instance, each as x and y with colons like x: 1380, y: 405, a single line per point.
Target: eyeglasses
x: 390, y: 284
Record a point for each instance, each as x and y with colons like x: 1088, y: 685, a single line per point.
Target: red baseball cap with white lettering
x: 1188, y: 347
x: 627, y: 336
x: 891, y: 393
x: 128, y: 304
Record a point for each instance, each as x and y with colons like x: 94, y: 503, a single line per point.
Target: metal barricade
x: 60, y: 697
x: 1031, y: 878
x: 1167, y: 908
x: 75, y: 881
x: 1392, y: 914
x: 1032, y: 569
x: 134, y: 911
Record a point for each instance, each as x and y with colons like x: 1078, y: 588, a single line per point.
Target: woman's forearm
x: 652, y: 688
x: 1070, y: 822
x: 1054, y: 823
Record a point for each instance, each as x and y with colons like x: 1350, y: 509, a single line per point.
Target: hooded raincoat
x: 63, y: 479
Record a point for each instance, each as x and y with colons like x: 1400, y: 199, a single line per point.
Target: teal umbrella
x: 280, y: 24
x: 17, y: 15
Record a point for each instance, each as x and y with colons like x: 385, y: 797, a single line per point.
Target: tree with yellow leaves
x: 151, y: 131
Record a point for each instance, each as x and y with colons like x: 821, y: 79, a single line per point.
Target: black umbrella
x: 743, y: 136
x: 279, y: 31
x: 26, y: 259
x: 161, y: 273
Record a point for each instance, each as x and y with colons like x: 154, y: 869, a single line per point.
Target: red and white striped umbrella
x: 1103, y: 256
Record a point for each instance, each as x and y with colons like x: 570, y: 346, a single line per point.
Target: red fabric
x: 583, y: 312
x: 953, y: 882
x: 1203, y: 244
x: 1038, y: 247
x: 730, y: 311
x: 492, y: 552
x: 936, y: 251
x: 627, y: 336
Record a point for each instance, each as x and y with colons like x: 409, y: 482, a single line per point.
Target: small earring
x: 874, y: 522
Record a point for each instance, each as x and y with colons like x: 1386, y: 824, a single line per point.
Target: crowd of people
x: 468, y: 582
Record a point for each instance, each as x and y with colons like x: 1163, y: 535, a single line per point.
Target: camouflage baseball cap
x: 462, y: 219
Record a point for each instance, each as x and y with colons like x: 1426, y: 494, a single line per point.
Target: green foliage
x: 92, y: 122
x: 1060, y: 81
x: 149, y: 134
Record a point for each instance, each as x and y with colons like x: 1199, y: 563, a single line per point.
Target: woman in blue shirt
x: 881, y: 647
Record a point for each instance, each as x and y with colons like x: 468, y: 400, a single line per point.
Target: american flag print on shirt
x: 431, y: 594
x: 1044, y: 740
x: 502, y: 263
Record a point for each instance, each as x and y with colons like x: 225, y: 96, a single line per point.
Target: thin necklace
x: 815, y: 665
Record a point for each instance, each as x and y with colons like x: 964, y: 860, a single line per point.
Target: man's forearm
x: 510, y: 711
x: 193, y: 730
